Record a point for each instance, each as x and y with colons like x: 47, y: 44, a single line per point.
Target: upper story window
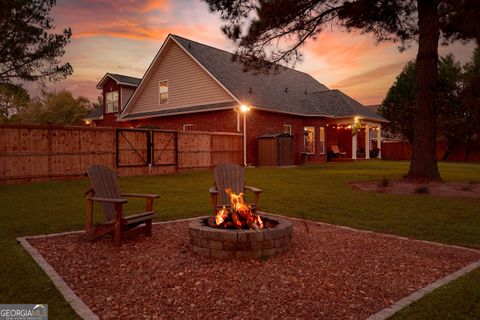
x: 188, y: 127
x: 163, y: 89
x: 321, y: 140
x: 287, y: 128
x: 111, y: 101
x: 309, y: 139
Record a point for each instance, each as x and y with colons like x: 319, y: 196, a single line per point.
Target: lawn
x: 319, y: 192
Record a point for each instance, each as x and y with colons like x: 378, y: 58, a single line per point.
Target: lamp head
x: 244, y: 108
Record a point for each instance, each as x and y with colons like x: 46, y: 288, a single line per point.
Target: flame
x: 221, y: 216
x: 236, y: 200
x: 259, y: 222
x: 240, y: 214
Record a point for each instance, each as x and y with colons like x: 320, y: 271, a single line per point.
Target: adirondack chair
x: 337, y: 152
x: 106, y: 190
x: 229, y: 175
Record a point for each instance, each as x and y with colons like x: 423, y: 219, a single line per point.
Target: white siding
x: 188, y: 84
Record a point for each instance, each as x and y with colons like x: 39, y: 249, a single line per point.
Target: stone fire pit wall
x: 241, y: 244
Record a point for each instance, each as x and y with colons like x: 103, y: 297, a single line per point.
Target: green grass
x: 319, y: 192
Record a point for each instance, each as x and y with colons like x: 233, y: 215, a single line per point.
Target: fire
x: 239, y: 216
x: 221, y: 216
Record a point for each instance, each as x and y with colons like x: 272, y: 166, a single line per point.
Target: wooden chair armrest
x: 108, y: 200
x: 148, y: 198
x: 141, y: 195
x: 213, y: 190
x: 257, y: 192
x: 253, y: 189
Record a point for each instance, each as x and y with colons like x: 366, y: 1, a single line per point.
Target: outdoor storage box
x: 275, y: 149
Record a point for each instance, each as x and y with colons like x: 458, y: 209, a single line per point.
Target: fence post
x: 50, y: 148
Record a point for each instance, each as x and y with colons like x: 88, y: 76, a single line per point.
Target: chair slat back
x: 105, y: 184
x: 228, y: 175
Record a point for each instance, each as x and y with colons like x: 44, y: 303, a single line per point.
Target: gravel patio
x: 330, y: 273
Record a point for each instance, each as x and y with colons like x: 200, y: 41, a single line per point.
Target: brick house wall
x: 258, y: 123
x: 219, y: 121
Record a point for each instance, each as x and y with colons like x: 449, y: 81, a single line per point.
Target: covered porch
x: 354, y: 138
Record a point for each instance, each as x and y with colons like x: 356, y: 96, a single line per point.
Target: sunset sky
x: 123, y: 36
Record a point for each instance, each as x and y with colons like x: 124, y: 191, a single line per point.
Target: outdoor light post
x: 244, y: 109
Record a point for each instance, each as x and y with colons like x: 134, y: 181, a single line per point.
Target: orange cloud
x: 337, y: 48
x: 130, y: 19
x: 376, y: 74
x: 370, y: 87
x: 151, y: 5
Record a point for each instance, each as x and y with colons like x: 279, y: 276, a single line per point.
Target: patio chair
x: 337, y: 153
x: 229, y: 175
x: 106, y: 190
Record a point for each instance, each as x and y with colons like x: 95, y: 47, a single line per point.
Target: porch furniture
x: 337, y: 153
x: 106, y: 190
x: 229, y: 175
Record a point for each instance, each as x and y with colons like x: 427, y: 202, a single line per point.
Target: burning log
x: 239, y: 215
x: 253, y: 225
x: 236, y: 221
x: 221, y: 216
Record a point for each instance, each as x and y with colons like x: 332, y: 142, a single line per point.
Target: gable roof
x: 119, y: 79
x: 286, y: 91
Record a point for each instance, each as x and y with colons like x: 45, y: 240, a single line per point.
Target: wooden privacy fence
x: 401, y: 150
x: 35, y: 153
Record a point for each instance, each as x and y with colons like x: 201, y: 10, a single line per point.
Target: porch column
x: 367, y: 142
x: 354, y: 146
x: 379, y: 141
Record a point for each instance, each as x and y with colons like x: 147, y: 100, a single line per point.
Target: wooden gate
x: 146, y: 147
x: 133, y: 147
x: 164, y: 148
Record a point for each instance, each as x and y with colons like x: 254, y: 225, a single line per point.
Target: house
x: 116, y: 91
x: 192, y: 86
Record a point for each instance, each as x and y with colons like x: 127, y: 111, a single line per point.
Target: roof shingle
x: 287, y: 90
x: 126, y: 79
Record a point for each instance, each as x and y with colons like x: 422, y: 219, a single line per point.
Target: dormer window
x: 111, y: 102
x: 163, y: 89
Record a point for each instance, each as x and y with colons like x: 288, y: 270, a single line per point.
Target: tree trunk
x: 424, y: 160
x: 446, y: 154
x: 450, y: 147
x: 468, y: 149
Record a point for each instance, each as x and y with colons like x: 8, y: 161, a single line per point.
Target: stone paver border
x: 77, y: 304
x: 86, y: 313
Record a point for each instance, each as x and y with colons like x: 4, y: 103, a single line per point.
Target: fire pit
x: 236, y: 232
x: 274, y: 238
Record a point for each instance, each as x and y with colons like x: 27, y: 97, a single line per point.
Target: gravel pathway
x: 329, y: 273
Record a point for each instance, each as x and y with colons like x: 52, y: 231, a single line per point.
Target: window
x: 188, y: 127
x: 321, y: 140
x: 163, y: 89
x: 111, y: 101
x: 287, y: 128
x: 309, y: 139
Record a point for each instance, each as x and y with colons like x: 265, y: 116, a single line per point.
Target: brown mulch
x: 435, y: 188
x: 329, y: 273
